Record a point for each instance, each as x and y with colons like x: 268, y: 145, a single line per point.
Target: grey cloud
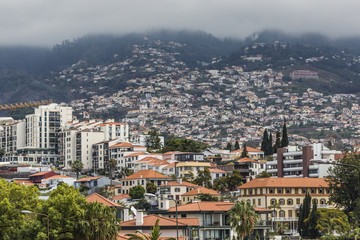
x: 46, y: 22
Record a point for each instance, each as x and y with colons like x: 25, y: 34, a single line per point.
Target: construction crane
x: 14, y: 106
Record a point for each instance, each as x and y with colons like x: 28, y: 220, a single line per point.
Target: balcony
x: 283, y: 219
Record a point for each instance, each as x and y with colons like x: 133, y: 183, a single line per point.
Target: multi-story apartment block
x: 113, y: 130
x: 190, y: 169
x: 295, y: 162
x: 12, y: 137
x: 289, y: 193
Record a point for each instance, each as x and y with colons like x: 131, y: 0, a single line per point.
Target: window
x: 282, y: 213
x: 259, y: 202
x: 298, y: 201
x: 290, y: 213
x: 279, y: 190
x: 183, y: 215
x: 177, y: 189
x: 271, y: 190
x: 289, y: 201
x: 288, y: 190
x: 304, y: 190
x: 281, y: 201
x: 313, y: 190
x: 253, y: 202
x: 322, y: 201
x: 273, y: 201
x: 321, y: 191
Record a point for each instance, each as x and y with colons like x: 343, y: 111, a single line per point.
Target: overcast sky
x: 47, y: 22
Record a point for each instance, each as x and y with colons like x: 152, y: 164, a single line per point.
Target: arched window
x: 273, y: 201
x: 289, y: 201
x: 282, y: 201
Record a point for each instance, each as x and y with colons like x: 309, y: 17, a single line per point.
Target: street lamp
x: 176, y: 207
x: 48, y: 226
x: 321, y: 161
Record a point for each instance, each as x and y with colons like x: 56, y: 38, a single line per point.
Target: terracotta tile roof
x: 216, y: 170
x: 120, y: 196
x: 201, y: 190
x: 170, y: 165
x: 135, y: 154
x: 204, y: 207
x: 100, y: 199
x: 170, y: 153
x: 246, y: 159
x: 146, y: 174
x: 88, y: 179
x: 257, y: 209
x: 285, y: 182
x: 112, y: 123
x: 145, y: 159
x: 117, y: 186
x: 122, y: 144
x: 150, y: 220
x: 175, y: 183
x: 58, y: 176
x: 249, y: 149
x: 25, y: 182
x: 39, y: 174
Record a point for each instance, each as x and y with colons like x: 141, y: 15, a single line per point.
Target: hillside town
x: 188, y: 195
x: 217, y: 106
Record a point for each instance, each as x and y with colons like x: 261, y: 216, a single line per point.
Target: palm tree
x: 243, y: 218
x: 274, y: 206
x: 77, y: 166
x: 98, y: 223
x: 154, y: 235
x: 112, y: 165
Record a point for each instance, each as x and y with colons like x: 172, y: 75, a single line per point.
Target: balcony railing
x: 283, y: 219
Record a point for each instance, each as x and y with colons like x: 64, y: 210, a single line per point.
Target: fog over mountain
x: 45, y: 23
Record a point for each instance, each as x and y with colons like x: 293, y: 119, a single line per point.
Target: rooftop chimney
x: 139, y: 218
x: 126, y: 214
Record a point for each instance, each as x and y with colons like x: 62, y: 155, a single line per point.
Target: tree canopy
x: 137, y: 192
x: 184, y: 145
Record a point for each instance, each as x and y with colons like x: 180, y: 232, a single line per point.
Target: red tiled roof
x: 216, y: 170
x: 204, y: 206
x: 246, y: 159
x: 58, y: 176
x: 262, y: 209
x: 88, y: 179
x: 135, y: 154
x: 100, y: 199
x: 201, y: 190
x: 163, y: 221
x: 249, y: 149
x: 120, y: 196
x: 146, y: 174
x: 39, y: 174
x: 122, y: 144
x: 183, y: 183
x: 285, y: 182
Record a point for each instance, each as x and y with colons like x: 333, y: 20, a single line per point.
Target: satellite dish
x: 133, y: 210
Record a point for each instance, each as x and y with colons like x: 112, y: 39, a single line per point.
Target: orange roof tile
x: 285, y: 182
x: 204, y: 206
x: 58, y: 176
x: 120, y: 196
x: 146, y: 174
x: 216, y: 170
x: 39, y: 174
x: 262, y: 209
x: 149, y: 220
x: 88, y: 179
x: 135, y: 154
x: 175, y: 183
x: 122, y: 144
x: 170, y: 165
x: 249, y: 149
x: 246, y: 159
x: 117, y: 186
x: 201, y: 190
x: 100, y: 199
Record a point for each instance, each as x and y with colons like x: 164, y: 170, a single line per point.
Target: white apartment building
x: 294, y: 161
x: 12, y: 137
